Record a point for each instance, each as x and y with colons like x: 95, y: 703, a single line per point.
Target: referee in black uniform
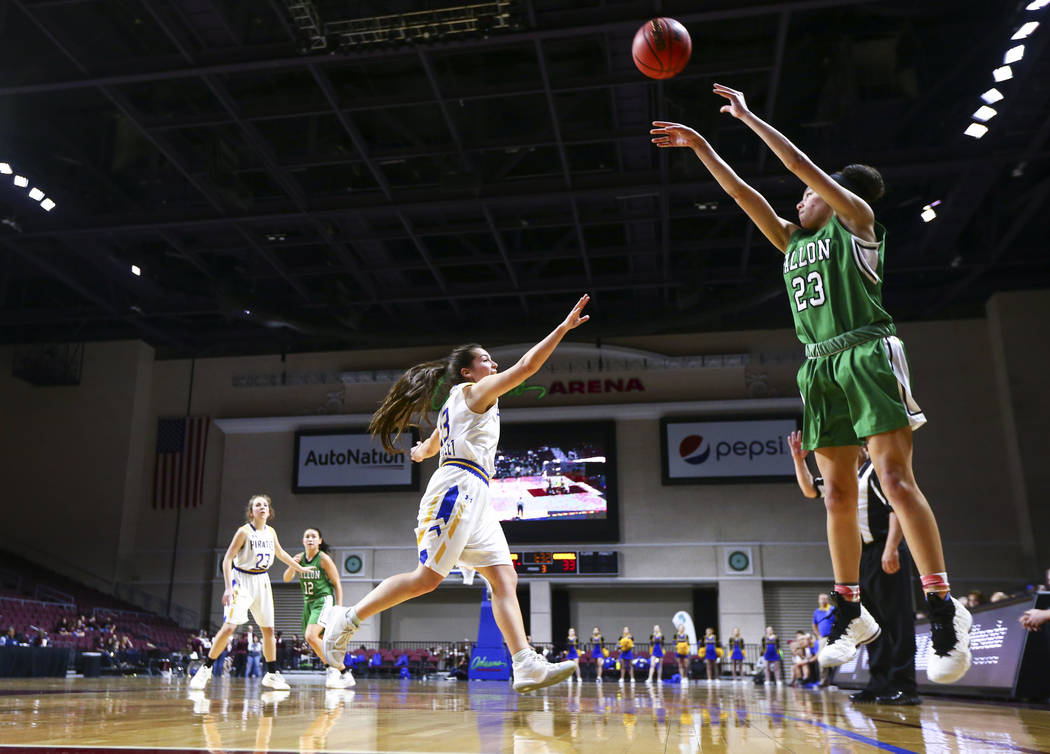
x: 885, y: 582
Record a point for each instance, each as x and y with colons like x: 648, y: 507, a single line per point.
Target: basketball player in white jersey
x: 456, y: 523
x: 244, y: 569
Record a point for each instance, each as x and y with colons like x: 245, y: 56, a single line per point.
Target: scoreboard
x: 566, y: 563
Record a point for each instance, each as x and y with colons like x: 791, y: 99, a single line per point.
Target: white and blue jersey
x: 258, y: 552
x: 468, y: 439
x: 250, y: 582
x: 456, y: 523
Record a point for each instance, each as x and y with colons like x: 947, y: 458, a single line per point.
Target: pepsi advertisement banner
x: 727, y: 450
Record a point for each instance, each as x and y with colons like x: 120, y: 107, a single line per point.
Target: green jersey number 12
x: 801, y: 283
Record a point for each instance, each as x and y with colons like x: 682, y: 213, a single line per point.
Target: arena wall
x: 80, y: 466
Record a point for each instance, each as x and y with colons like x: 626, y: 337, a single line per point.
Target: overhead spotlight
x: 1004, y: 73
x: 21, y: 181
x: 1013, y: 55
x: 5, y: 168
x: 976, y: 130
x: 927, y: 213
x: 36, y: 194
x: 1025, y: 30
x: 992, y: 96
x: 1037, y: 5
x: 985, y: 113
x: 136, y: 270
x: 248, y: 311
x: 47, y: 205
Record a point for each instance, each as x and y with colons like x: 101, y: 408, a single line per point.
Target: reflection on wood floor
x: 449, y: 716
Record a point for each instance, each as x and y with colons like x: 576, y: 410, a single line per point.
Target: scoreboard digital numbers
x: 566, y: 563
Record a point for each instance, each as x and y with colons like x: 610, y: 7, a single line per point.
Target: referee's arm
x: 802, y: 473
x: 891, y: 562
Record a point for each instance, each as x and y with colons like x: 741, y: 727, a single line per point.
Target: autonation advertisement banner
x: 752, y: 450
x: 350, y: 461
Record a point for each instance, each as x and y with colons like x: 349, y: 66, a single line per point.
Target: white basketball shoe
x: 949, y: 655
x: 853, y: 627
x: 275, y: 681
x: 200, y: 678
x: 533, y: 672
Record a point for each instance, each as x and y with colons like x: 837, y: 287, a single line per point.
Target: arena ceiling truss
x: 295, y: 175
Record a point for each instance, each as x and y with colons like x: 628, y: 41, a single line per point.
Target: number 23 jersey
x: 257, y: 554
x: 834, y: 281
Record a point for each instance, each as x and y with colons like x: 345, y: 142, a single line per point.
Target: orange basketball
x: 661, y: 48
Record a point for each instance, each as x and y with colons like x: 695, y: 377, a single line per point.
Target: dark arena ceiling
x: 296, y: 175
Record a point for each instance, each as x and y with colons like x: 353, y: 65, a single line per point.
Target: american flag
x: 178, y: 477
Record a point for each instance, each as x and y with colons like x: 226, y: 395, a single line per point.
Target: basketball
x: 661, y: 48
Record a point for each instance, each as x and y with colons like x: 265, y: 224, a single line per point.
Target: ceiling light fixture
x: 1013, y: 55
x: 985, y: 113
x: 976, y: 130
x: 992, y: 96
x: 1003, y: 73
x: 1025, y: 30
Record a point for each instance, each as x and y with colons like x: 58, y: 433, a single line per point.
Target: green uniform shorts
x: 312, y: 609
x: 855, y: 393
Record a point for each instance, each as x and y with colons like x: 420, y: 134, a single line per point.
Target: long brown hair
x: 411, y: 394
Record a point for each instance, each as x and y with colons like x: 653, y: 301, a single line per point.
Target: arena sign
x: 725, y: 450
x: 349, y: 461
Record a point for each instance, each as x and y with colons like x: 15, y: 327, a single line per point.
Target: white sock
x: 354, y: 620
x: 520, y: 655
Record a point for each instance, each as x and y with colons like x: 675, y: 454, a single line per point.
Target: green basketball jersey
x: 315, y: 581
x: 834, y: 281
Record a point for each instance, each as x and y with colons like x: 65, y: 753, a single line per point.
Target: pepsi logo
x: 694, y: 450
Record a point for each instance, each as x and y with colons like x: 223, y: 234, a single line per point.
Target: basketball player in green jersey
x: 854, y: 382
x: 320, y: 584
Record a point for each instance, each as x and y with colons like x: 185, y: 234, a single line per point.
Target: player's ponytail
x: 413, y: 392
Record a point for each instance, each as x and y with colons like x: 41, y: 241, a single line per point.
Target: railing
x: 151, y: 603
x: 40, y: 603
x: 118, y: 612
x: 50, y: 594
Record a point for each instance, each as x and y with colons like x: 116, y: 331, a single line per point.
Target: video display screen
x: 552, y: 472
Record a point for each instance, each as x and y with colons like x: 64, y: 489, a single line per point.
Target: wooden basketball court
x: 446, y: 716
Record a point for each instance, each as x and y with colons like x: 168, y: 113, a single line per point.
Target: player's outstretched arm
x: 285, y: 558
x: 853, y: 210
x: 775, y: 228
x: 289, y: 574
x: 485, y: 391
